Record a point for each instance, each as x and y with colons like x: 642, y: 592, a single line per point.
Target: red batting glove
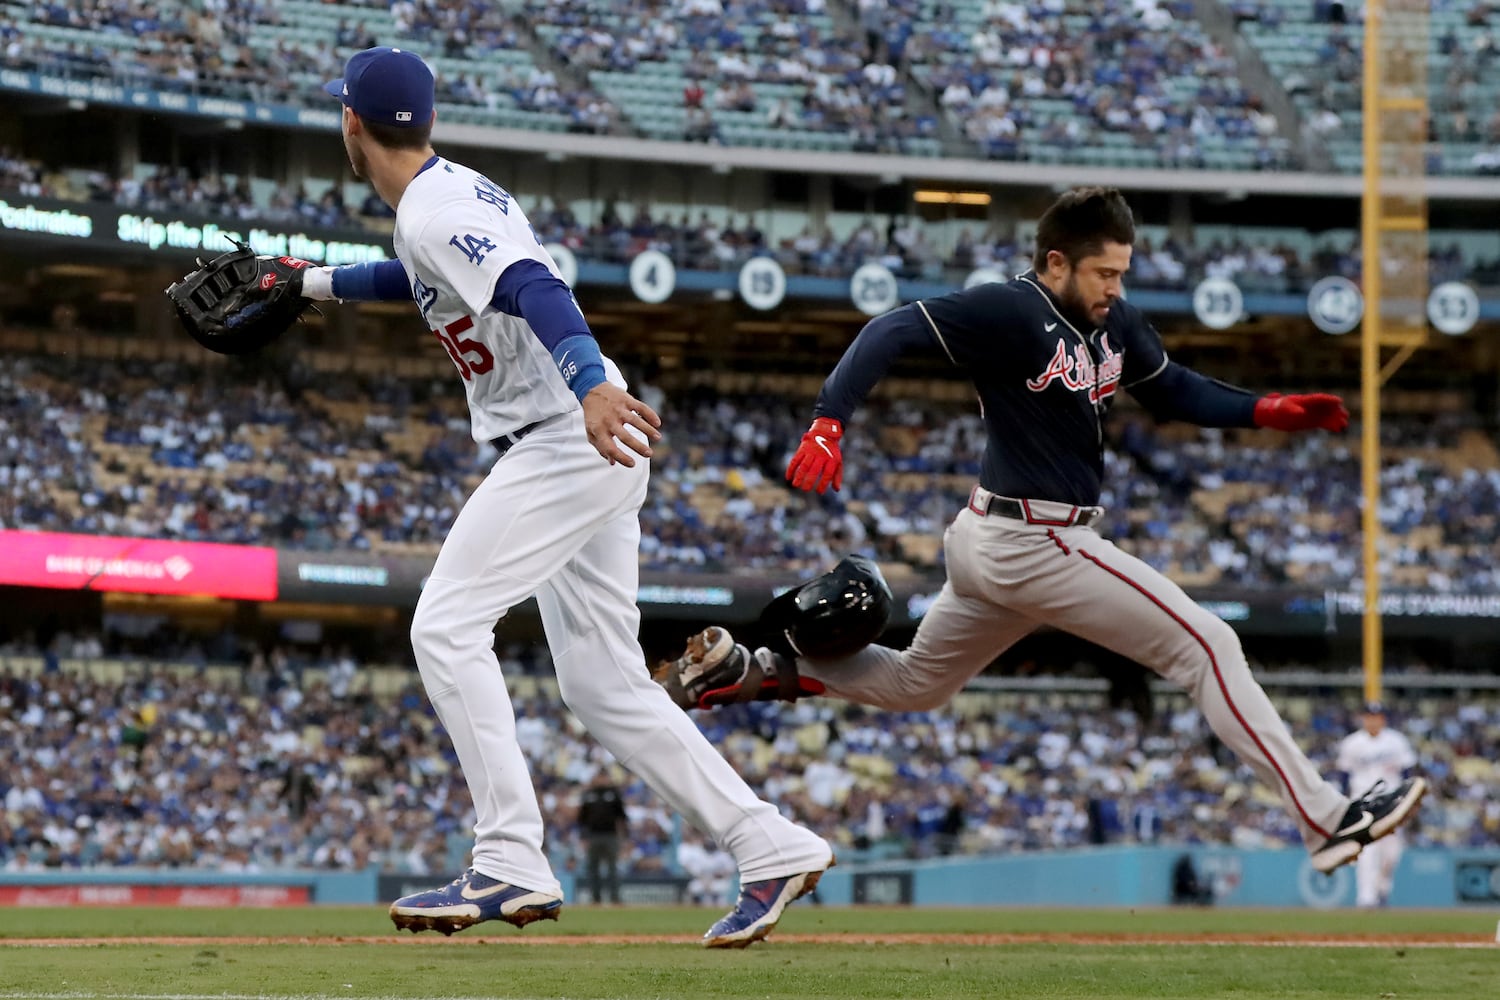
x: 818, y: 463
x: 1316, y: 411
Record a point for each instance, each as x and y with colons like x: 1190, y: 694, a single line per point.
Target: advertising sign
x: 137, y: 565
x: 107, y: 225
x: 113, y: 894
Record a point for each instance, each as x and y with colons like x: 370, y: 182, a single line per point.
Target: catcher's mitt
x: 240, y: 301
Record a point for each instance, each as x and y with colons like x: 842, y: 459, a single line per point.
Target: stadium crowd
x: 824, y: 79
x: 241, y: 51
x: 379, y: 460
x: 720, y: 240
x: 1142, y: 83
x: 292, y: 761
x: 1143, y: 70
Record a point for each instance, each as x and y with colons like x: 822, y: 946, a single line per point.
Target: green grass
x: 359, y: 921
x: 507, y: 965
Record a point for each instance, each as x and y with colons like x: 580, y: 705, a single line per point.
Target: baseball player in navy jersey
x: 1047, y: 352
x: 557, y: 518
x: 1374, y: 753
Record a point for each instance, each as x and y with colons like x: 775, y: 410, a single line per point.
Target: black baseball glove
x: 239, y: 302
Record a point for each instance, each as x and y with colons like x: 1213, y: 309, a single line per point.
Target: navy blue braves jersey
x: 1045, y: 386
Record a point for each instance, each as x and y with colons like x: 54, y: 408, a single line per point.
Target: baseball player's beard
x: 1078, y: 310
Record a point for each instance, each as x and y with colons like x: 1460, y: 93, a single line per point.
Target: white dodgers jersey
x: 456, y: 233
x: 1368, y: 759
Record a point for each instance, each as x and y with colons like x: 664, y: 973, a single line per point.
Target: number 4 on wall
x: 460, y: 348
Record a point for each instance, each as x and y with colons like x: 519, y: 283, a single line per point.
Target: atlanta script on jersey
x: 1045, y: 385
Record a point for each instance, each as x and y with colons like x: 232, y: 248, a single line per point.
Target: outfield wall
x: 1142, y: 876
x: 1104, y: 876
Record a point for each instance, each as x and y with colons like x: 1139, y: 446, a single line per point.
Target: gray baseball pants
x: 1007, y: 577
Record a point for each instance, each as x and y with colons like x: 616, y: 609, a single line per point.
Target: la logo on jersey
x: 1078, y: 372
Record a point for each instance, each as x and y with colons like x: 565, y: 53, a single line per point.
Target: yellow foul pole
x: 1369, y: 352
x: 1393, y: 245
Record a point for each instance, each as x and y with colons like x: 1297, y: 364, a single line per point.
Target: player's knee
x: 1217, y: 633
x: 424, y: 635
x: 576, y: 695
x: 914, y: 690
x: 924, y: 698
x: 1220, y: 643
x: 432, y: 632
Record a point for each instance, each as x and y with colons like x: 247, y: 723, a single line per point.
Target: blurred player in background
x: 1371, y: 754
x: 553, y: 519
x: 602, y: 818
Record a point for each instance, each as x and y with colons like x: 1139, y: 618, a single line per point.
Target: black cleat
x: 1371, y: 816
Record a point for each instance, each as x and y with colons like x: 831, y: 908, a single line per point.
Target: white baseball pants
x: 1375, y: 870
x: 556, y: 520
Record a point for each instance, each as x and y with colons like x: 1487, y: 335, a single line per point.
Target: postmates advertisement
x: 137, y: 565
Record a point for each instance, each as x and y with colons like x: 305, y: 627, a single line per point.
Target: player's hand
x: 818, y: 463
x: 1316, y: 411
x: 613, y: 417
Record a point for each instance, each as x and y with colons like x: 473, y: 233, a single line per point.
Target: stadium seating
x: 283, y: 53
x: 317, y: 762
x: 1258, y: 259
x: 1138, y: 84
x: 743, y: 74
x: 1320, y: 63
x: 1111, y: 85
x: 384, y: 461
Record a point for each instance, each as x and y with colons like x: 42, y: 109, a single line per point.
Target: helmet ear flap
x: 832, y: 615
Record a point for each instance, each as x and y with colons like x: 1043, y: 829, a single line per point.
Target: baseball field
x: 628, y: 954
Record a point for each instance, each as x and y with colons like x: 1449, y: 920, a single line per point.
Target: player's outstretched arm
x: 608, y: 411
x: 1175, y: 392
x: 373, y: 281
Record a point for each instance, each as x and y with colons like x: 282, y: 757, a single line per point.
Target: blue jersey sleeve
x: 1170, y: 391
x: 1179, y: 393
x: 970, y: 325
x: 529, y: 290
x: 373, y: 281
x: 883, y: 340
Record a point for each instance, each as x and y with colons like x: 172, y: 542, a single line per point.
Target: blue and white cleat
x: 759, y: 907
x: 470, y: 899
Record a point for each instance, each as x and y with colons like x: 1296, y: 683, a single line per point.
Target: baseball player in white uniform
x: 557, y: 518
x: 1369, y: 754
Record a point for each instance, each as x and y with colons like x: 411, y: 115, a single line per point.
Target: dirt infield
x: 1396, y: 941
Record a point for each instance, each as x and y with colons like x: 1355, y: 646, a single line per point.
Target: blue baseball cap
x: 386, y: 85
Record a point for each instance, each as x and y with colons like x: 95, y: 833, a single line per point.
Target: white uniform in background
x: 556, y: 520
x: 1367, y: 759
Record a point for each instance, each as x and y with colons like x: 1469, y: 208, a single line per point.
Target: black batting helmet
x: 836, y: 614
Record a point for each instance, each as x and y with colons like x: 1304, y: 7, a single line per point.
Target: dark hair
x: 1080, y: 222
x: 406, y: 137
